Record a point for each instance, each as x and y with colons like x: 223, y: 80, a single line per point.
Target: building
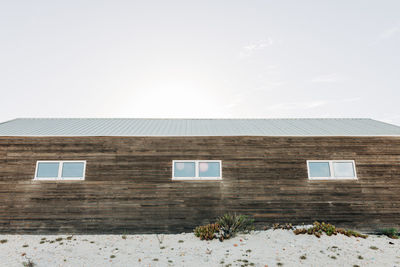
x: 170, y: 175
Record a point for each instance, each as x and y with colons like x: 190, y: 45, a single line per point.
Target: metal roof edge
x: 247, y: 135
x: 143, y: 118
x: 4, y: 122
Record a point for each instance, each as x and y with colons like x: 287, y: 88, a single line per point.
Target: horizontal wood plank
x: 128, y: 186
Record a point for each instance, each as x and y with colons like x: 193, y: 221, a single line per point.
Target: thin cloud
x: 387, y: 34
x: 251, y: 48
x: 259, y: 45
x: 309, y: 104
x: 326, y: 78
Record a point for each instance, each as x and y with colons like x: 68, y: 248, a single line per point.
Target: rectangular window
x: 60, y: 170
x: 331, y: 169
x: 196, y: 170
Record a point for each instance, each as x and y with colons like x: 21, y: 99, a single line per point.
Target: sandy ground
x: 260, y: 248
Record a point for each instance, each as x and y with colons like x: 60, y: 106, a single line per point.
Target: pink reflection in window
x: 203, y: 166
x: 180, y: 165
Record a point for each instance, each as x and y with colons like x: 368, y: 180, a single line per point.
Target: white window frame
x: 196, y: 167
x: 332, y: 171
x: 60, y: 168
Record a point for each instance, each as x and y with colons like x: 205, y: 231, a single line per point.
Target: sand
x: 259, y: 248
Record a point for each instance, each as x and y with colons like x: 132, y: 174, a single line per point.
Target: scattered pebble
x: 260, y: 248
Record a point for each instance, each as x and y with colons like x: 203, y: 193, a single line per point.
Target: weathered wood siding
x: 128, y: 185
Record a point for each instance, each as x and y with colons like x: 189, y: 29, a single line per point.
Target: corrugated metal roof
x: 197, y: 127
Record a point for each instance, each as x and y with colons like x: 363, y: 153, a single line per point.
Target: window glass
x: 343, y: 169
x: 47, y: 169
x: 319, y: 169
x: 209, y: 169
x: 72, y: 169
x: 184, y: 169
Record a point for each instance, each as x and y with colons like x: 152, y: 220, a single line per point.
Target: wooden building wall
x: 128, y: 186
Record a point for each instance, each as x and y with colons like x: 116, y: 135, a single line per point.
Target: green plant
x: 373, y: 247
x: 300, y: 231
x: 28, y: 263
x: 319, y: 228
x: 206, y: 232
x: 286, y: 226
x: 3, y: 241
x: 390, y: 232
x: 350, y: 233
x: 231, y: 224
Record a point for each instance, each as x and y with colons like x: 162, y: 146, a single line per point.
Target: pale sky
x: 208, y: 59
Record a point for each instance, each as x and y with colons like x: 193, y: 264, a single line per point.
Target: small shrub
x: 59, y: 239
x: 319, y: 228
x: 28, y: 263
x: 300, y: 231
x: 286, y: 226
x: 112, y: 256
x: 206, y: 232
x: 123, y: 237
x: 303, y: 257
x: 373, y: 247
x: 25, y: 246
x: 180, y: 241
x: 390, y: 232
x: 360, y: 257
x: 226, y: 227
x: 231, y: 224
x: 3, y: 241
